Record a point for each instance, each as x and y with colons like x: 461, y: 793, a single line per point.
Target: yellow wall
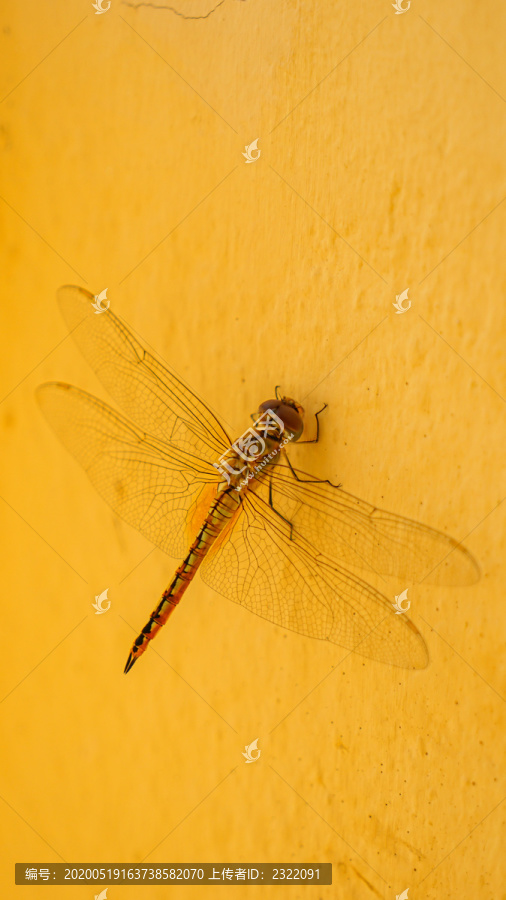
x: 382, y: 168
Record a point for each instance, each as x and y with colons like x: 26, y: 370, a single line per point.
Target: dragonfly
x: 274, y: 539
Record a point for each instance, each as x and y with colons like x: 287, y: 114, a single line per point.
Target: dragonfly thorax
x: 277, y: 423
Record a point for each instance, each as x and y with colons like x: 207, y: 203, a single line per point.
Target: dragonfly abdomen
x: 220, y: 513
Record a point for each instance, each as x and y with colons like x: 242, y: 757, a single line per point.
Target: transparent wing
x: 148, y: 391
x: 157, y: 488
x: 355, y: 533
x: 256, y: 565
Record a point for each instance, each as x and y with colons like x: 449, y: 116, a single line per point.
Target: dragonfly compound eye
x: 290, y: 413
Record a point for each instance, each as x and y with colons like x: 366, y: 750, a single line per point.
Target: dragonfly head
x: 289, y: 411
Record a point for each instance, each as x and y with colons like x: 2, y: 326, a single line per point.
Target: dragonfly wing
x: 148, y: 391
x: 254, y: 563
x: 358, y: 534
x: 154, y: 486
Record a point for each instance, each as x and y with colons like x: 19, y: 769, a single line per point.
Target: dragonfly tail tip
x: 130, y: 661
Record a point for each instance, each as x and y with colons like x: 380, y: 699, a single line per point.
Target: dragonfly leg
x: 271, y: 504
x: 307, y: 480
x: 316, y: 439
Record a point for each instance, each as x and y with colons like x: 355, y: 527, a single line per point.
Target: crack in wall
x: 171, y: 8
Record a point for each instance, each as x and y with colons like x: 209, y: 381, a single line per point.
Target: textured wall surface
x: 382, y: 169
